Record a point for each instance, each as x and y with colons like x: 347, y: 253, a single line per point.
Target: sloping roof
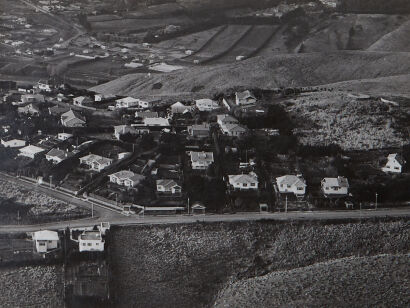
x: 128, y: 175
x: 32, y: 149
x: 245, y: 94
x: 127, y: 99
x: 91, y: 236
x: 45, y: 235
x: 70, y: 115
x: 168, y: 184
x: 201, y: 127
x: 202, y: 156
x: 93, y: 158
x: 234, y: 128
x: 397, y: 157
x: 57, y: 153
x: 205, y: 102
x: 146, y: 114
x: 242, y: 178
x: 226, y: 118
x: 290, y: 180
x: 57, y: 110
x: 156, y: 122
x: 336, y: 182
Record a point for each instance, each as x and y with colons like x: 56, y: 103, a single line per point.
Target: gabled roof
x: 32, y: 149
x: 93, y: 158
x: 88, y: 235
x: 128, y: 175
x: 201, y: 127
x: 226, y: 118
x: 290, y: 180
x: 245, y: 94
x: 156, y: 122
x: 127, y: 99
x: 202, y: 156
x: 70, y: 115
x: 146, y: 114
x: 234, y: 128
x: 206, y: 101
x: 397, y: 157
x: 57, y: 153
x: 168, y: 184
x: 57, y: 110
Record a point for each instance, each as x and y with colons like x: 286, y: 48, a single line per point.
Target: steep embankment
x: 397, y: 40
x: 187, y: 265
x: 265, y: 72
x: 350, y: 282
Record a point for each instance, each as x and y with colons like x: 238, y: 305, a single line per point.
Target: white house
x: 291, y: 184
x: 81, y: 100
x: 126, y: 178
x: 335, y: 186
x: 201, y: 160
x: 233, y: 130
x: 168, y: 187
x: 244, y: 98
x: 126, y: 102
x: 13, y: 143
x: 29, y: 109
x: 90, y: 241
x: 72, y: 119
x: 224, y: 119
x: 64, y: 136
x: 120, y: 130
x: 244, y: 181
x: 161, y: 122
x: 56, y: 156
x: 45, y: 240
x: 30, y: 151
x: 146, y: 114
x: 206, y: 104
x: 96, y: 162
x: 43, y: 86
x: 395, y: 163
x: 179, y: 108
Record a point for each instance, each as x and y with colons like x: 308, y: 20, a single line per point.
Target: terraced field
x: 220, y: 44
x: 251, y: 43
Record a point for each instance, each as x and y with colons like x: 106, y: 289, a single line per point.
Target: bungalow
x: 291, y: 184
x: 101, y: 97
x: 126, y: 102
x: 90, y: 241
x: 45, y: 240
x: 233, y: 130
x: 81, y: 100
x: 96, y: 162
x: 126, y: 178
x: 244, y: 98
x: 168, y: 187
x: 72, y: 119
x: 244, y: 181
x: 30, y: 151
x: 335, y: 186
x: 223, y: 119
x: 120, y: 130
x: 144, y: 104
x: 199, y: 130
x: 64, y: 136
x: 395, y: 163
x: 13, y: 143
x: 56, y: 156
x: 161, y: 122
x: 146, y: 114
x: 206, y: 104
x: 29, y: 109
x: 201, y: 160
x: 179, y: 108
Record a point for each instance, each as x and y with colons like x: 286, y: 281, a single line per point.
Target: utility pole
x: 188, y: 205
x: 51, y: 180
x: 286, y: 204
x: 92, y: 209
x: 376, y: 201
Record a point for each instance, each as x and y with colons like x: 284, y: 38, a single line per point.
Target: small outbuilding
x: 198, y: 208
x: 45, y: 240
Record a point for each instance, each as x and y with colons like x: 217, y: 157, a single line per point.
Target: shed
x: 198, y: 208
x: 45, y: 240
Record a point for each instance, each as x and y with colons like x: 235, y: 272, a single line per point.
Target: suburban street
x: 176, y: 219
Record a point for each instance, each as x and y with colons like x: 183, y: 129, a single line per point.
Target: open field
x: 354, y: 281
x: 187, y: 265
x: 31, y: 286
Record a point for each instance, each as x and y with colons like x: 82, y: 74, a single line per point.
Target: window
x: 88, y: 244
x: 83, y: 244
x: 253, y: 184
x: 97, y: 244
x: 288, y: 186
x: 42, y: 244
x: 245, y: 185
x: 300, y: 188
x: 396, y: 168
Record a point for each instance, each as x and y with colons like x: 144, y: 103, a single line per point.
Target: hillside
x: 397, y: 40
x: 265, y: 72
x: 187, y: 265
x: 355, y: 282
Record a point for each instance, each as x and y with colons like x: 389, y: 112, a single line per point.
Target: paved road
x: 103, y: 213
x: 175, y: 219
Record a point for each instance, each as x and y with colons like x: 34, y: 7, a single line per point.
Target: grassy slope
x: 397, y: 40
x: 266, y: 72
x: 187, y: 265
x: 365, y: 282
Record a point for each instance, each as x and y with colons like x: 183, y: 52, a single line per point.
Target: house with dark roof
x: 56, y: 156
x: 57, y: 110
x: 199, y: 130
x: 29, y: 109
